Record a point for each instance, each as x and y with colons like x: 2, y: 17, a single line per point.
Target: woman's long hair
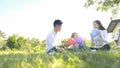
x: 100, y: 25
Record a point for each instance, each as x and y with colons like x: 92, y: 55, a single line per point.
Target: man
x: 53, y: 41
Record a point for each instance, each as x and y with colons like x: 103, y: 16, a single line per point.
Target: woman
x: 99, y: 37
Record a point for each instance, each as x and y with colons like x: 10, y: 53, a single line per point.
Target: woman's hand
x: 99, y: 33
x: 91, y: 37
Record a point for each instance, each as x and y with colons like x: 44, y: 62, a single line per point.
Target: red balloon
x: 70, y: 41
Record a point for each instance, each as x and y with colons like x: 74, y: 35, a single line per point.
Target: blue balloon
x: 95, y: 32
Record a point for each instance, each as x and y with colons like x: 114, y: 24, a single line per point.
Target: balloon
x: 70, y: 41
x: 95, y: 32
x: 79, y: 40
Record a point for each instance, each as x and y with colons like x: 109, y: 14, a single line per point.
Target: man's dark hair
x: 57, y: 22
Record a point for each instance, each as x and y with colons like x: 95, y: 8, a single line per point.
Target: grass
x: 66, y: 59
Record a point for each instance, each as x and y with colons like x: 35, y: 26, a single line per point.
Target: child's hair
x: 73, y: 34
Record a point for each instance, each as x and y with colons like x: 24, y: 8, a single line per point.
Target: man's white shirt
x: 53, y: 40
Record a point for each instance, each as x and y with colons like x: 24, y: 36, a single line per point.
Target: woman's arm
x: 100, y: 34
x: 91, y: 36
x: 92, y: 40
x: 103, y: 35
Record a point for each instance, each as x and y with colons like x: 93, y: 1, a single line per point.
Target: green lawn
x: 66, y: 59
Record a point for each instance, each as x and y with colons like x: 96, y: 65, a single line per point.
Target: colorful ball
x: 78, y: 40
x: 70, y: 41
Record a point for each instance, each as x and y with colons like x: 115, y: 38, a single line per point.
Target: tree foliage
x: 13, y: 41
x: 2, y: 34
x: 2, y: 39
x: 105, y: 5
x: 20, y: 43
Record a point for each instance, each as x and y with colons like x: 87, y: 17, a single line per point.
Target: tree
x: 35, y: 42
x: 105, y: 5
x: 17, y: 42
x: 20, y: 41
x: 2, y: 35
x: 2, y: 39
x: 12, y: 41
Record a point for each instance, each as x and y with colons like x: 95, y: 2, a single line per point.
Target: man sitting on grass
x: 53, y: 42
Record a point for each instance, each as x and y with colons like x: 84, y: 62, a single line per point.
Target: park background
x: 24, y: 25
x: 35, y: 18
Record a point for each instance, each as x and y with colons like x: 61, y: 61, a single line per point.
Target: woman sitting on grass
x: 76, y: 42
x: 99, y: 37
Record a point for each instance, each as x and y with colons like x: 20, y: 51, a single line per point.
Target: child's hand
x: 70, y: 46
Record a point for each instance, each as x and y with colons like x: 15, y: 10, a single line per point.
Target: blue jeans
x: 82, y: 46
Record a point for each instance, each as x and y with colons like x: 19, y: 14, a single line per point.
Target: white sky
x: 34, y: 18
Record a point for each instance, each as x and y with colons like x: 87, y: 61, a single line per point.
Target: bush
x: 16, y: 42
x: 12, y: 42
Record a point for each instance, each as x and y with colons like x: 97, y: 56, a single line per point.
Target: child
x: 76, y: 42
x: 70, y: 42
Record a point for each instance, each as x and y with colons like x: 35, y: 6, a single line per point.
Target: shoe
x: 51, y: 53
x: 93, y: 50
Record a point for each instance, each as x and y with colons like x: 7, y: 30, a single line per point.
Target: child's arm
x: 70, y: 46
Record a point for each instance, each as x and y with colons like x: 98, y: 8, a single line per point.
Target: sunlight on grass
x: 67, y: 59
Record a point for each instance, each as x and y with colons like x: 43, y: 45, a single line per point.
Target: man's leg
x: 52, y: 50
x: 58, y: 48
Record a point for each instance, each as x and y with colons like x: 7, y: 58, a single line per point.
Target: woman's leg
x: 92, y: 48
x: 106, y: 47
x: 86, y: 47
